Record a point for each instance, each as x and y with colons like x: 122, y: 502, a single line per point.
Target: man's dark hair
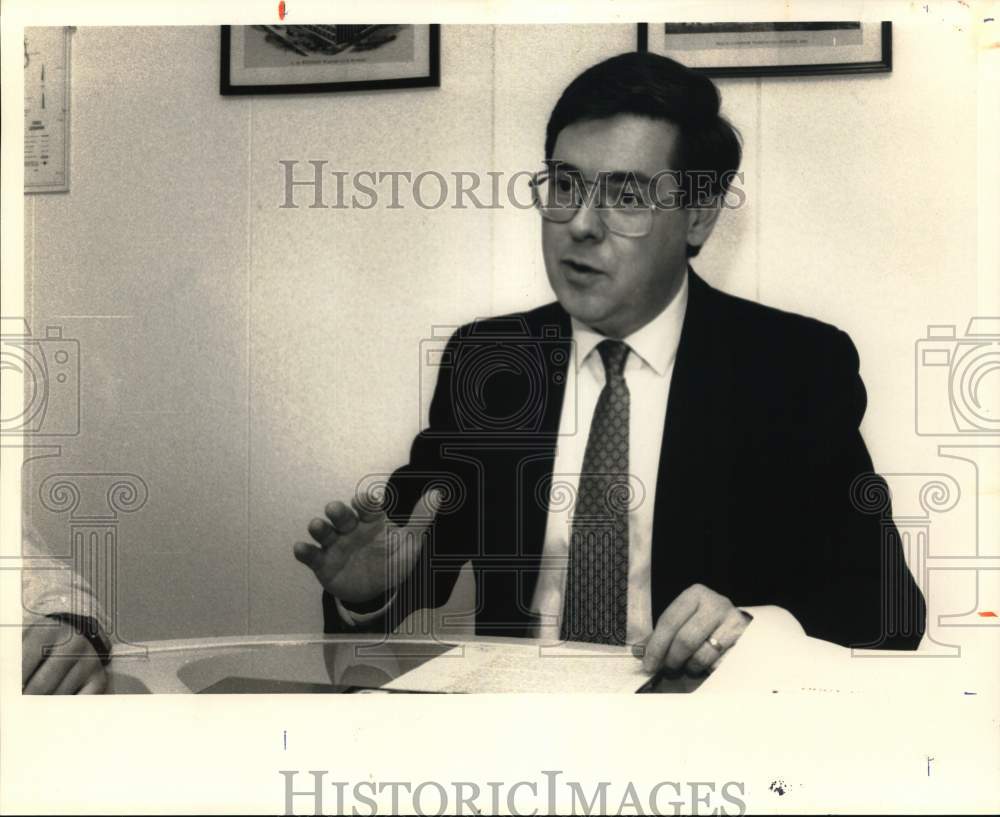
x: 657, y: 87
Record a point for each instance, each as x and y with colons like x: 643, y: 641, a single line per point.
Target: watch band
x: 89, y: 629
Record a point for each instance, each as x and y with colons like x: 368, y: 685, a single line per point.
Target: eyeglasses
x: 621, y: 204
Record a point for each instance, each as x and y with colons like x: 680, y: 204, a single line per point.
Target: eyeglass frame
x: 588, y: 185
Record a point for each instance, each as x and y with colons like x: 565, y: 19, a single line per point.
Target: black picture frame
x: 430, y: 79
x: 881, y: 65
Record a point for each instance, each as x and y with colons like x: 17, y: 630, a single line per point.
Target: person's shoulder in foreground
x: 64, y: 643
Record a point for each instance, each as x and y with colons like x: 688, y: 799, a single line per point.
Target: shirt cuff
x: 355, y: 619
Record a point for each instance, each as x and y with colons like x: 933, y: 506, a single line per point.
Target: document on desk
x: 489, y: 667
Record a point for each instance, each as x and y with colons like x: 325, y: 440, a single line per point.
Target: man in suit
x: 640, y: 460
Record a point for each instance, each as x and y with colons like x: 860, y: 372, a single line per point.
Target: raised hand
x: 359, y: 554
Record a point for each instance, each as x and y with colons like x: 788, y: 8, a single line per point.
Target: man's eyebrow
x: 625, y: 175
x: 611, y: 175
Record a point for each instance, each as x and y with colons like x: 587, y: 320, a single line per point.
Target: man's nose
x: 586, y: 225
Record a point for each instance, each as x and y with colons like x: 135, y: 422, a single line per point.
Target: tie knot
x: 614, y: 354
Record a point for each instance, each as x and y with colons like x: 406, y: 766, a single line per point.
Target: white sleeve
x: 355, y: 619
x: 50, y: 586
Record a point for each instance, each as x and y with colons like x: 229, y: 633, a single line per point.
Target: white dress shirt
x: 648, y: 370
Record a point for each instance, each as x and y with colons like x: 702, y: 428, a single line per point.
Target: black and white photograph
x: 501, y: 413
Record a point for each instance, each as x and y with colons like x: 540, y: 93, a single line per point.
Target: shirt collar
x: 655, y: 343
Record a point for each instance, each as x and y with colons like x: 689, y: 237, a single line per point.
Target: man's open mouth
x: 579, y: 266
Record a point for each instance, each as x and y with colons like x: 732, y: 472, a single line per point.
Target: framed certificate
x: 265, y: 59
x: 773, y: 49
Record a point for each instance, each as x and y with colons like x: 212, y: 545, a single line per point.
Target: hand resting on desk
x: 680, y: 640
x: 71, y: 667
x: 358, y: 554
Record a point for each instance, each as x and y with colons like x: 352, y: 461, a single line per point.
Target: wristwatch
x: 89, y: 629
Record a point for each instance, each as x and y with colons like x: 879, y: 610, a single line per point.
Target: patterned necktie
x: 596, y: 601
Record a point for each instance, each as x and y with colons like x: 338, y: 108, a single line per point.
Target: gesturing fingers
x: 322, y: 531
x: 343, y: 519
x: 367, y: 508
x: 310, y: 555
x: 339, y: 520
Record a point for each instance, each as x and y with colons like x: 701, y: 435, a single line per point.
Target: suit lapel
x: 554, y: 334
x: 690, y: 529
x: 533, y: 456
x: 689, y: 526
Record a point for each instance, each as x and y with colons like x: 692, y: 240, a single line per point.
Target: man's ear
x: 701, y: 222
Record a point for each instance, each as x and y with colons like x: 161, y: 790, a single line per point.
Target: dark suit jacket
x: 757, y: 497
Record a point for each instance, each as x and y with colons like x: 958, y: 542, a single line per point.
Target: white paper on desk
x: 775, y: 655
x: 485, y: 667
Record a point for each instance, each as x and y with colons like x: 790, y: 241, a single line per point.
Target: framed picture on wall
x: 773, y: 49
x: 266, y: 59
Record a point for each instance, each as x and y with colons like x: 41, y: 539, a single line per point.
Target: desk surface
x: 329, y: 661
x: 194, y: 665
x: 916, y: 750
x: 291, y: 664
